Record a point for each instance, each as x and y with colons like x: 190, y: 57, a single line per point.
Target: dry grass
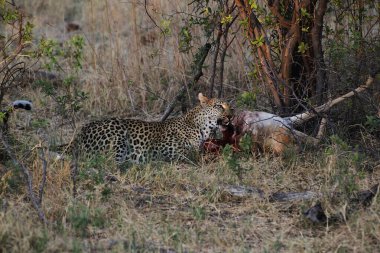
x: 183, y: 207
x: 131, y: 70
x: 128, y: 63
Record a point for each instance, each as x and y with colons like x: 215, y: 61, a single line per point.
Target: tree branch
x: 150, y: 17
x: 29, y: 179
x: 197, y: 73
x: 254, y: 32
x: 316, y: 37
x: 303, y: 117
x: 43, y: 181
x: 215, y: 58
x: 275, y: 9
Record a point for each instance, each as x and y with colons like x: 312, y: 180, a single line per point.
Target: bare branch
x: 150, y: 17
x: 215, y: 59
x: 275, y: 9
x: 226, y: 45
x: 303, y: 117
x: 322, y: 129
x: 28, y: 177
x: 197, y: 71
x: 43, y: 181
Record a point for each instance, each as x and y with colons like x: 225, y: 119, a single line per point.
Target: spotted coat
x: 139, y: 141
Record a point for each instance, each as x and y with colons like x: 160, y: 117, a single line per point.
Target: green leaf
x: 244, y: 22
x: 28, y: 32
x: 302, y: 47
x: 206, y: 11
x: 253, y: 4
x: 259, y: 41
x: 185, y: 39
x: 226, y: 19
x: 2, y: 117
x: 304, y: 13
x: 165, y: 26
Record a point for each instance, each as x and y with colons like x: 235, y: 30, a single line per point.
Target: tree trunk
x: 316, y: 37
x: 300, y: 74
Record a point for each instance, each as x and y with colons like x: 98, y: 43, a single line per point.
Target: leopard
x: 138, y: 141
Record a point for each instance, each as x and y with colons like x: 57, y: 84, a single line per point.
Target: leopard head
x: 210, y: 114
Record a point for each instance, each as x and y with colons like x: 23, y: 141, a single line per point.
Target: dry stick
x: 251, y: 191
x: 74, y: 171
x: 322, y: 129
x: 29, y: 179
x: 197, y: 75
x: 313, y: 140
x: 221, y: 70
x: 43, y: 181
x: 303, y: 117
x: 151, y: 18
x: 215, y: 59
x: 223, y: 55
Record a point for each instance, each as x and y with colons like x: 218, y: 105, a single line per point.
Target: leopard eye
x: 219, y: 106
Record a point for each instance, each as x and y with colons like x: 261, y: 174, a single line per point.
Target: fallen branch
x: 303, y: 117
x: 362, y: 197
x: 315, y: 213
x: 293, y: 196
x: 197, y: 73
x: 248, y: 191
x: 322, y: 129
x: 243, y: 191
x: 43, y: 180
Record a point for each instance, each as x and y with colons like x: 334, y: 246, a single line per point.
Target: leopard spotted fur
x: 139, y: 141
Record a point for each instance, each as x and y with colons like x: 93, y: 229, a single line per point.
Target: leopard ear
x: 203, y: 99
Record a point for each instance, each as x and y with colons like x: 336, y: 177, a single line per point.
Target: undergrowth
x: 183, y: 207
x: 163, y: 207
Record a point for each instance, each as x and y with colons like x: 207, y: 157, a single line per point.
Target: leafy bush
x: 66, y: 59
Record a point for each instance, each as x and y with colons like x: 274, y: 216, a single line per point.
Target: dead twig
x: 197, y: 73
x: 226, y: 45
x: 303, y: 117
x: 74, y: 170
x: 29, y: 179
x: 151, y: 18
x: 43, y: 180
x: 248, y: 191
x: 322, y: 129
x: 362, y: 199
x: 215, y: 58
